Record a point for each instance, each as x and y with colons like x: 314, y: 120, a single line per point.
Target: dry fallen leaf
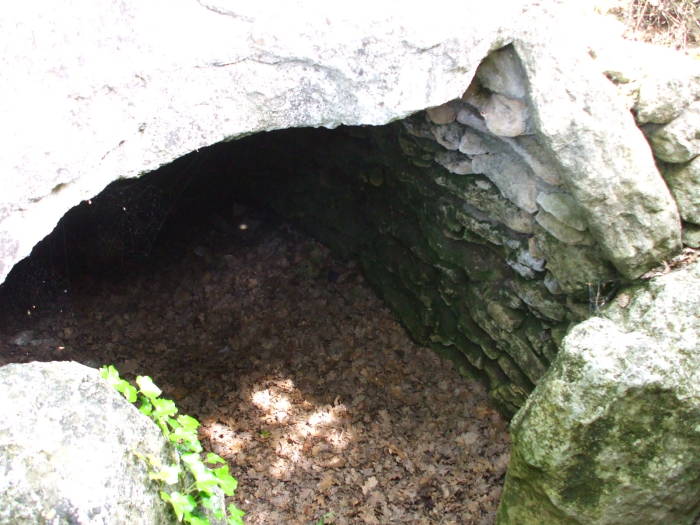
x: 368, y: 485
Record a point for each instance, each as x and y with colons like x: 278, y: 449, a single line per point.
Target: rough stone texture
x: 684, y: 183
x: 679, y: 140
x: 662, y: 88
x: 657, y: 82
x: 67, y: 443
x: 563, y: 207
x: 114, y: 92
x: 691, y: 235
x: 108, y: 97
x: 603, y: 159
x: 506, y: 117
x: 510, y: 199
x: 610, y: 435
x: 443, y: 114
x: 501, y: 73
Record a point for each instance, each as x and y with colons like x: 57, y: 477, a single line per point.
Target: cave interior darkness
x: 369, y: 193
x: 134, y: 224
x: 315, y: 400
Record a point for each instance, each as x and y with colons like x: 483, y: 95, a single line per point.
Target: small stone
x: 535, y: 295
x: 562, y: 231
x: 534, y: 249
x: 511, y: 176
x: 684, y: 183
x: 454, y: 162
x: 505, y: 317
x: 472, y: 144
x: 679, y: 140
x: 552, y: 284
x: 475, y: 96
x: 502, y: 73
x: 506, y: 117
x: 443, y: 114
x: 564, y: 208
x: 536, y: 156
x: 448, y: 135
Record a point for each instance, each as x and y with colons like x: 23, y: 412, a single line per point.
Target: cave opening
x: 242, y: 278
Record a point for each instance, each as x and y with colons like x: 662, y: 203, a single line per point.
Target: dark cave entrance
x: 261, y: 312
x: 443, y: 250
x: 233, y: 188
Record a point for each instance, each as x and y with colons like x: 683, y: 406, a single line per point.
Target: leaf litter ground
x: 302, y: 379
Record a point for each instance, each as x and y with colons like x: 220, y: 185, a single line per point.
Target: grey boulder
x: 611, y: 434
x: 684, y: 182
x: 67, y: 450
x: 679, y: 140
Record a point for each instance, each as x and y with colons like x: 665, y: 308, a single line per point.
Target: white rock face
x: 101, y: 90
x: 67, y: 445
x: 111, y: 91
x: 658, y: 82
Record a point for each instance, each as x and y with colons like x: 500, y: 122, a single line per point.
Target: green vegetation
x: 326, y: 516
x: 201, y: 481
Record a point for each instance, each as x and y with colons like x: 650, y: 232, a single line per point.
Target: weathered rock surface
x: 657, y: 82
x: 602, y: 158
x: 67, y: 450
x: 679, y: 140
x: 684, y: 182
x: 610, y: 435
x: 484, y: 221
x: 253, y: 68
x: 106, y: 95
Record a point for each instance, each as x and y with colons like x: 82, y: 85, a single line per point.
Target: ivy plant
x: 201, y: 481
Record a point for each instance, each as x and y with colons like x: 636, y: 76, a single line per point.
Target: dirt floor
x: 302, y: 379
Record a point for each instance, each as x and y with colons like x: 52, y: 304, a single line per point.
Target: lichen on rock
x: 611, y: 435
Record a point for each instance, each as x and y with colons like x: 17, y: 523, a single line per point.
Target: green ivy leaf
x: 235, y: 515
x: 194, y: 464
x: 168, y: 474
x: 208, y: 501
x: 193, y: 519
x: 147, y: 387
x: 206, y: 482
x: 146, y: 408
x: 181, y: 503
x: 182, y: 432
x: 213, y: 458
x: 163, y: 408
x: 110, y: 374
x: 226, y: 481
x: 128, y: 391
x: 163, y: 426
x: 188, y: 422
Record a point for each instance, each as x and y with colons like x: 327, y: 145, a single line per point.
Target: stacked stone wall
x: 463, y: 220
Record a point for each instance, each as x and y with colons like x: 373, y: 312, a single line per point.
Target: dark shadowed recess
x: 136, y: 224
x: 367, y: 193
